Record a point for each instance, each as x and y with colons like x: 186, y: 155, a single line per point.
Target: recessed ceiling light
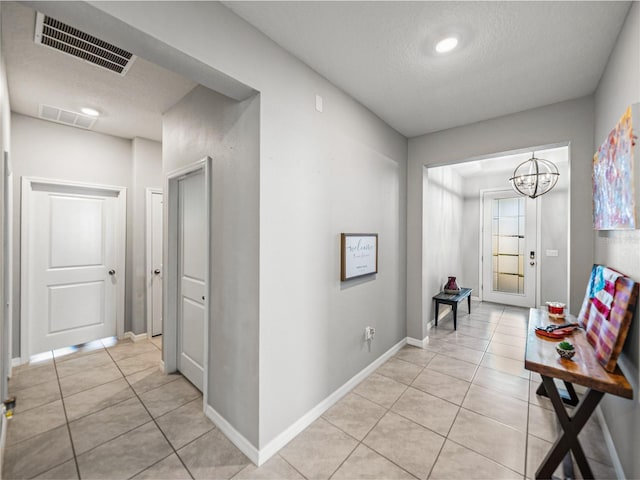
x: 92, y: 112
x: 446, y: 44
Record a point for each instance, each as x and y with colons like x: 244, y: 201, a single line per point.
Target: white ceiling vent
x: 66, y: 117
x: 64, y: 38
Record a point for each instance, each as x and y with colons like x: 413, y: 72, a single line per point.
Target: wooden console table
x: 453, y: 300
x: 584, y: 369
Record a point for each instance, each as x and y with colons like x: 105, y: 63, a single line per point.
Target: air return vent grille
x: 62, y: 37
x: 66, y: 117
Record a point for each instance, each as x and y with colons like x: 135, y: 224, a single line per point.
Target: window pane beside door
x: 508, y: 245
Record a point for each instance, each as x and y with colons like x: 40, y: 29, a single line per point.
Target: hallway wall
x: 5, y: 269
x: 67, y: 153
x: 570, y: 121
x: 206, y: 123
x: 343, y: 170
x: 618, y: 88
x: 146, y: 172
x: 442, y: 242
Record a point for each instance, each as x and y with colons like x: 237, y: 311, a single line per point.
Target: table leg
x: 469, y: 303
x: 571, y: 426
x: 455, y: 314
x: 437, y: 309
x: 569, y: 396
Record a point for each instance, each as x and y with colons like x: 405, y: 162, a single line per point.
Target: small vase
x: 451, y: 286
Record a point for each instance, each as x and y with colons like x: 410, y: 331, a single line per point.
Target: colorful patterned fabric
x: 606, y: 313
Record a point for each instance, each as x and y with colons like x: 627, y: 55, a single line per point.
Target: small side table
x: 453, y: 300
x: 584, y: 369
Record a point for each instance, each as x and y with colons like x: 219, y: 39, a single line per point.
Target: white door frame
x: 538, y: 241
x: 120, y: 229
x: 7, y: 260
x: 149, y: 260
x: 171, y: 257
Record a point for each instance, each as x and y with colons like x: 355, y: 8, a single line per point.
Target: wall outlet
x: 369, y: 333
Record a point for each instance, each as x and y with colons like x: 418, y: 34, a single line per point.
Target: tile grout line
x: 155, y: 423
x: 361, y: 441
x: 66, y: 418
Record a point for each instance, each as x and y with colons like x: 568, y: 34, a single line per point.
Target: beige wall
x: 146, y: 172
x: 5, y: 214
x: 206, y: 123
x: 620, y: 87
x: 570, y: 121
x: 49, y: 150
x: 320, y: 174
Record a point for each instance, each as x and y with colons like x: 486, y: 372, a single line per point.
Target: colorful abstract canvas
x: 613, y: 181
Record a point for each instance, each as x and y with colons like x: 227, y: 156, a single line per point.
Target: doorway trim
x: 170, y: 265
x: 120, y: 229
x: 538, y: 242
x: 148, y: 260
x: 7, y: 263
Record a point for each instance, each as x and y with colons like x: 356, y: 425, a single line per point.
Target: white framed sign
x: 359, y: 255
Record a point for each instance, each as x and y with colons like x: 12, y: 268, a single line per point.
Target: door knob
x: 532, y: 263
x: 156, y: 271
x: 112, y: 272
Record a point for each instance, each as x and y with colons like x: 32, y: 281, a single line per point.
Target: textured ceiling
x: 131, y: 106
x: 513, y: 56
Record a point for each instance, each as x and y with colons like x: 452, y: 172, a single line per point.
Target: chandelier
x: 534, y: 177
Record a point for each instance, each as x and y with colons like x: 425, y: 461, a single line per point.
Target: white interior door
x: 155, y: 245
x: 73, y: 267
x: 509, y: 258
x: 191, y: 275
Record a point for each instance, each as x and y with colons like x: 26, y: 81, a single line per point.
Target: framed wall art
x: 358, y: 254
x: 614, y: 195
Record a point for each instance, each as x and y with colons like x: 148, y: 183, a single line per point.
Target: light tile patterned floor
x: 461, y: 408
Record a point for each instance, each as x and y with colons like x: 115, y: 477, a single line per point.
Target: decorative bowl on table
x: 565, y: 350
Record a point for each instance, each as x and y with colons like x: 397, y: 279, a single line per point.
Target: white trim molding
x: 418, y: 343
x: 260, y: 456
x: 170, y: 266
x: 307, y: 419
x: 148, y: 250
x: 611, y: 447
x: 244, y: 445
x: 135, y: 337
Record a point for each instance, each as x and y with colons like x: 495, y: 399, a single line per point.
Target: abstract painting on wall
x: 614, y: 202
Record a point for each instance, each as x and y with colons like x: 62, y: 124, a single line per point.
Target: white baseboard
x: 307, y: 419
x: 608, y: 440
x: 3, y: 435
x: 135, y: 337
x: 244, y: 445
x: 16, y: 362
x: 418, y: 343
x: 261, y: 456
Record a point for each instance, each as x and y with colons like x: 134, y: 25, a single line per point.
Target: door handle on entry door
x: 112, y: 272
x: 156, y: 271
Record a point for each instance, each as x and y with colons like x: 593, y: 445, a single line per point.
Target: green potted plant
x: 565, y: 350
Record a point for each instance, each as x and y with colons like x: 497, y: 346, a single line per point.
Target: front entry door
x: 509, y: 258
x: 191, y: 275
x: 73, y: 265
